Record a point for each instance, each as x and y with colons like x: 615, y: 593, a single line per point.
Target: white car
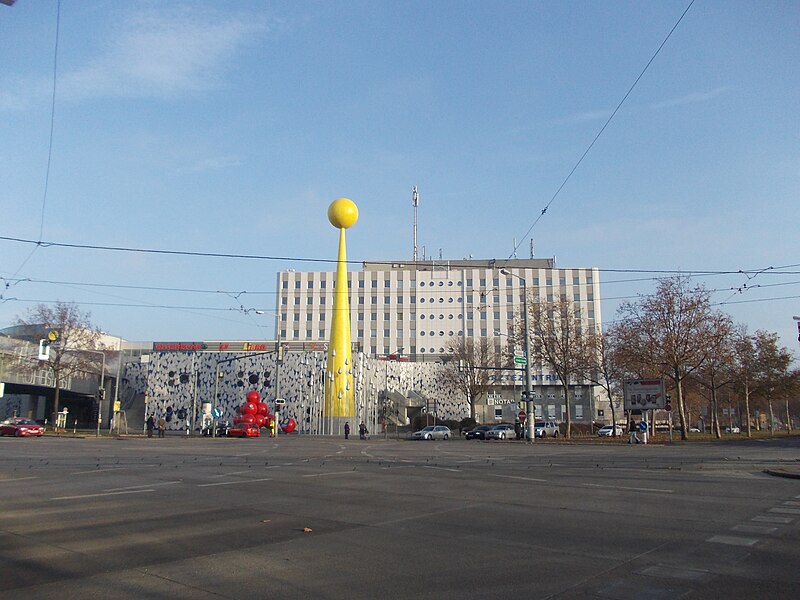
x: 609, y: 430
x: 733, y: 429
x: 432, y: 432
x: 501, y: 432
x: 543, y: 429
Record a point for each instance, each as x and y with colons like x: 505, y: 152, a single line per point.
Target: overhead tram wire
x: 602, y: 129
x: 50, y: 142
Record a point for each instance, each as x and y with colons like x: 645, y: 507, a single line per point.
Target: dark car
x: 477, y: 433
x: 19, y: 427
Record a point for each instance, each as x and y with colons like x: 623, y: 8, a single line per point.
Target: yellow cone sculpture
x: 339, y: 404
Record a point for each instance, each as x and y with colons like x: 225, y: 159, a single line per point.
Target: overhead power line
x: 602, y: 129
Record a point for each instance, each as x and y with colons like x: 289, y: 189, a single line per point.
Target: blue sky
x: 230, y: 127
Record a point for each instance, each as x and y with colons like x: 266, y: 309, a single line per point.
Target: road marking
x: 754, y: 529
x: 326, y: 474
x: 768, y: 519
x: 522, y: 478
x: 111, y: 469
x: 103, y: 494
x: 732, y: 540
x: 441, y: 468
x: 634, y: 489
x: 791, y: 503
x: 17, y: 479
x: 233, y: 473
x: 670, y: 572
x: 785, y: 511
x: 233, y: 482
x: 136, y: 487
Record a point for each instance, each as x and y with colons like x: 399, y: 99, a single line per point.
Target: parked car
x: 243, y: 430
x: 477, y: 433
x: 432, y: 432
x: 20, y: 427
x: 543, y: 429
x: 610, y: 430
x: 501, y: 432
x: 733, y: 429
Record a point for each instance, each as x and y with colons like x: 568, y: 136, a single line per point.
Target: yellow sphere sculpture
x: 339, y: 388
x: 343, y: 213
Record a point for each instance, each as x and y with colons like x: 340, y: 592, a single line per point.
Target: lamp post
x: 529, y: 409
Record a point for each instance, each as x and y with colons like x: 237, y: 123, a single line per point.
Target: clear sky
x: 229, y: 127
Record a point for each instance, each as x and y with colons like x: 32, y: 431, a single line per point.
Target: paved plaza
x: 310, y: 517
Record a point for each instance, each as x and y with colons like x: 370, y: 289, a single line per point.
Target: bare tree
x: 473, y: 363
x: 601, y: 365
x: 558, y: 340
x: 673, y: 332
x: 73, y: 332
x: 717, y: 372
x: 744, y: 368
x: 772, y: 372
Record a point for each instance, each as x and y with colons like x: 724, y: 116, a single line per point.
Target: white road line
x: 103, y: 494
x: 441, y: 468
x: 233, y: 473
x: 136, y: 487
x: 17, y: 479
x: 522, y: 478
x: 791, y: 503
x: 233, y: 482
x: 732, y: 540
x: 762, y: 529
x: 785, y: 511
x: 768, y: 519
x: 633, y: 489
x: 111, y: 469
x: 326, y: 474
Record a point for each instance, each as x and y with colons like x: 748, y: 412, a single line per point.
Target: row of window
x: 482, y: 282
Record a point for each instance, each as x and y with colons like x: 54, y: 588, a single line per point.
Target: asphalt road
x: 306, y: 517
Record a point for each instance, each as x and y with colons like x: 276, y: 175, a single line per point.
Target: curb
x: 782, y: 473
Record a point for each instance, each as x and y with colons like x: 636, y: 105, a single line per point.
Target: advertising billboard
x: 644, y: 394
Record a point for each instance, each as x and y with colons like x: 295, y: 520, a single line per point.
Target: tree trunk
x: 771, y: 417
x: 613, y: 414
x: 56, y: 397
x: 714, y: 413
x: 747, y: 408
x: 682, y: 410
x: 568, y: 433
x: 788, y: 418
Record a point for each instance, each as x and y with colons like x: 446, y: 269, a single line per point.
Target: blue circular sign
x: 216, y: 412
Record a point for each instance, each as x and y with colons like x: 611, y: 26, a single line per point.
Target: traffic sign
x: 216, y: 412
x: 522, y: 416
x: 668, y: 407
x: 520, y: 360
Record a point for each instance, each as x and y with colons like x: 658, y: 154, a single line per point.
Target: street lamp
x: 529, y: 409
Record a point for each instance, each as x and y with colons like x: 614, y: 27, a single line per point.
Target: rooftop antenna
x: 514, y: 252
x: 415, y: 204
x: 533, y: 248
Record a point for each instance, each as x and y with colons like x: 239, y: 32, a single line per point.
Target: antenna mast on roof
x: 533, y: 248
x: 415, y: 204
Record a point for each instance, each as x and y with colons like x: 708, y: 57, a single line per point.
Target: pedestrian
x: 517, y: 430
x: 150, y: 424
x: 347, y: 431
x: 362, y: 431
x: 162, y: 426
x: 632, y: 429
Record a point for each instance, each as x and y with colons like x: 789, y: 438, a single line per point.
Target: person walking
x: 150, y: 424
x: 362, y: 431
x: 633, y: 438
x: 347, y: 431
x: 162, y: 426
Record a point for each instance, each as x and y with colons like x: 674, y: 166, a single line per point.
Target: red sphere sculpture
x: 289, y: 425
x: 249, y: 419
x: 260, y: 420
x: 248, y: 408
x: 253, y: 397
x: 263, y: 409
